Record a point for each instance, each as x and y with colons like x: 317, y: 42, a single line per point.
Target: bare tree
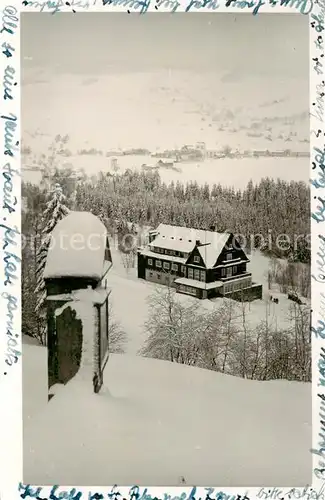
x: 172, y: 328
x: 117, y: 337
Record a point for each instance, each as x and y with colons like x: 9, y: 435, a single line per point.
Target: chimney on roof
x: 212, y: 228
x: 152, y: 235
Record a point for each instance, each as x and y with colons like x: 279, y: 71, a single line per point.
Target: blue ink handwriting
x: 11, y: 354
x: 9, y: 20
x: 143, y: 5
x: 10, y: 129
x: 9, y: 201
x: 197, y: 4
x: 318, y: 216
x: 320, y: 263
x: 8, y: 82
x: 8, y: 49
x: 55, y: 5
x: 307, y: 493
x: 318, y: 105
x: 10, y: 259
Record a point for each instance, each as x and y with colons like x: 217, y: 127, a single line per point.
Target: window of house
x: 223, y: 272
x: 149, y: 262
x: 107, y: 254
x: 196, y: 274
x: 166, y: 265
x: 158, y: 263
x: 202, y: 275
x: 190, y: 273
x: 174, y: 267
x: 234, y: 270
x: 229, y: 256
x: 229, y: 272
x: 196, y: 259
x: 183, y: 269
x: 151, y: 275
x: 158, y: 276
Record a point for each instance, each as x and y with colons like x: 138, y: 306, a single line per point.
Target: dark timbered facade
x: 199, y: 263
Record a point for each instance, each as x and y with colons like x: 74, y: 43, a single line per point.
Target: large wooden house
x: 200, y: 263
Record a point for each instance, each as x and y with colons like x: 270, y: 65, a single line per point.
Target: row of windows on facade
x: 237, y: 285
x: 188, y: 289
x: 232, y: 287
x: 176, y: 253
x: 199, y: 275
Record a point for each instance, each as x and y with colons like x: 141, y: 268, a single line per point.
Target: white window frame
x: 149, y: 262
x: 158, y: 263
x: 202, y: 276
x: 196, y: 259
x: 183, y: 269
x: 166, y: 266
x: 196, y: 274
x: 234, y: 270
x: 229, y: 256
x: 174, y: 266
x: 190, y: 271
x: 229, y: 272
x: 223, y: 272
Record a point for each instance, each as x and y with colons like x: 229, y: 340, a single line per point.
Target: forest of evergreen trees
x: 269, y: 208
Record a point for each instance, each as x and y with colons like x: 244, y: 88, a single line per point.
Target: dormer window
x: 229, y: 256
x: 196, y: 259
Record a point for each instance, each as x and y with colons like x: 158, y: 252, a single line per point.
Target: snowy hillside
x: 167, y: 110
x: 228, y: 172
x: 155, y: 421
x: 131, y: 293
x: 162, y: 109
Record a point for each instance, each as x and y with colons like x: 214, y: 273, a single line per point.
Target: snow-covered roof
x: 198, y: 284
x: 183, y: 239
x: 77, y: 247
x: 171, y: 258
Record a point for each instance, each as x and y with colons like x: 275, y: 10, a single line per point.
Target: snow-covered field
x: 155, y: 422
x: 129, y: 299
x: 228, y: 172
x: 162, y: 110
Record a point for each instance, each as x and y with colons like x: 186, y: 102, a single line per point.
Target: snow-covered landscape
x: 161, y: 421
x: 213, y: 390
x: 156, y: 422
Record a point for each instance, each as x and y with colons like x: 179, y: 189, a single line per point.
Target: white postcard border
x: 10, y: 218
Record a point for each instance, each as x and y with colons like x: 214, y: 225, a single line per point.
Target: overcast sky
x: 96, y: 43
